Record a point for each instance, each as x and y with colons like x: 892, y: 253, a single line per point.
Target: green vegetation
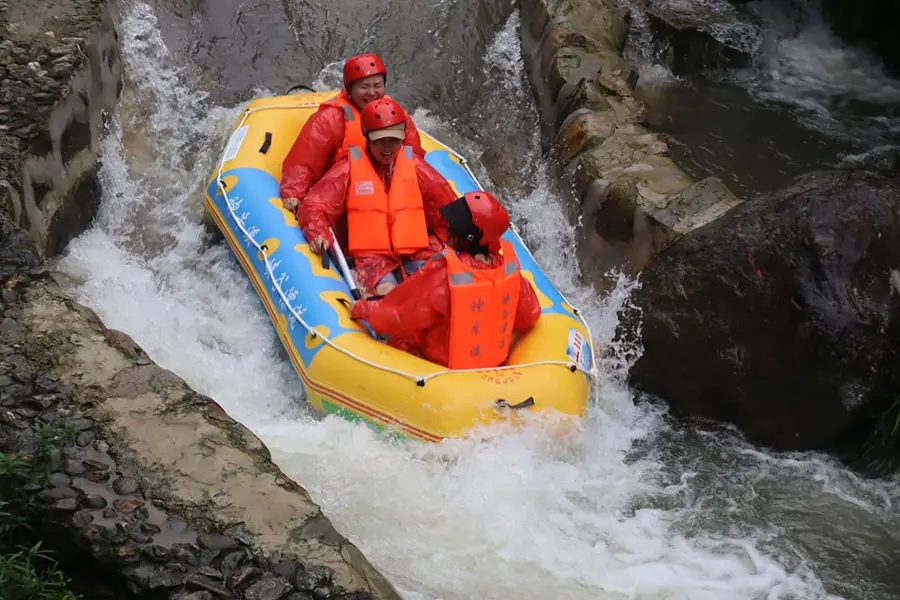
x: 27, y: 572
x: 881, y: 451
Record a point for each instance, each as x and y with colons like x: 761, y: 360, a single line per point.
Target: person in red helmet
x: 392, y: 199
x: 461, y: 309
x: 335, y: 127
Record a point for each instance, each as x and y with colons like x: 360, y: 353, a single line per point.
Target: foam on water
x: 613, y: 513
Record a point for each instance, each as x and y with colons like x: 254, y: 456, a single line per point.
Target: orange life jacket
x: 353, y: 133
x: 381, y: 222
x: 483, y: 304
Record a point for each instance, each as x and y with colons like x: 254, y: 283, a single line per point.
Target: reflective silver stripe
x: 439, y: 255
x: 511, y: 267
x: 407, y: 152
x: 356, y: 152
x: 462, y: 279
x: 348, y: 113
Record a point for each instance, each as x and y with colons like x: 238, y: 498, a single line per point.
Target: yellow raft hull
x: 344, y: 370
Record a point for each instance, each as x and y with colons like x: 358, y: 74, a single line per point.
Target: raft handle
x: 501, y: 403
x: 265, y: 147
x: 299, y: 86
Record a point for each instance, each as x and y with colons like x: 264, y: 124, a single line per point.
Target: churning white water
x: 630, y: 509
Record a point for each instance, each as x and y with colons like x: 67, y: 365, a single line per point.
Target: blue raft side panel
x: 252, y: 198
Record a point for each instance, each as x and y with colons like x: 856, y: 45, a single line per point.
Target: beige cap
x: 395, y: 131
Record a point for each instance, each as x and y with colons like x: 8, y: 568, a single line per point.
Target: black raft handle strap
x: 501, y: 403
x: 268, y: 142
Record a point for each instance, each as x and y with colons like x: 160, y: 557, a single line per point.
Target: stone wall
x: 631, y: 198
x: 60, y: 75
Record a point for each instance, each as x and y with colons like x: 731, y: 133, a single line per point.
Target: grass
x: 27, y: 571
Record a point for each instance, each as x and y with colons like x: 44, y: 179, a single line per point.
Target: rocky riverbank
x: 631, y: 198
x: 160, y: 485
x: 159, y: 488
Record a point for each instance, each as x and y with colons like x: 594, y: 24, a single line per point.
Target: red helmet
x: 488, y: 215
x: 382, y: 113
x: 362, y: 65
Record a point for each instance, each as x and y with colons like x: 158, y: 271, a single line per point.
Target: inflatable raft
x: 344, y: 369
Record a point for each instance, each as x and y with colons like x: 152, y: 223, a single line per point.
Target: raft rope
x: 420, y: 380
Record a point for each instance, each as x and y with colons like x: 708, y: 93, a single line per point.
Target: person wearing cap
x: 461, y: 308
x: 331, y: 130
x: 392, y: 199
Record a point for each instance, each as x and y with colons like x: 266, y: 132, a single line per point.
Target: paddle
x: 342, y: 264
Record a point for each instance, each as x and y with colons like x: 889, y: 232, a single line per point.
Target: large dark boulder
x: 782, y: 317
x: 689, y: 37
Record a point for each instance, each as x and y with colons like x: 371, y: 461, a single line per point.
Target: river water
x: 635, y: 507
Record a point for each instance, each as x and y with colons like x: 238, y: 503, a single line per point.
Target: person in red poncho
x: 392, y: 199
x: 335, y: 127
x: 461, y: 309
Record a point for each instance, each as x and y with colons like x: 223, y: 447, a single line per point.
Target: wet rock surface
x: 60, y: 75
x: 691, y: 36
x: 629, y: 195
x: 782, y: 317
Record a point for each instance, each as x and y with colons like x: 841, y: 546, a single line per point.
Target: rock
x: 783, y: 316
x: 80, y: 425
x: 127, y: 553
x: 94, y: 502
x: 150, y: 528
x: 139, y: 537
x: 85, y: 438
x: 46, y: 384
x: 185, y: 554
x: 310, y: 578
x: 67, y: 505
x: 156, y: 552
x: 59, y: 480
x: 125, y: 485
x: 231, y: 562
x: 216, y: 542
x: 243, y: 575
x: 56, y: 494
x: 82, y: 518
x: 8, y: 326
x: 126, y: 507
x: 211, y: 573
x: 73, y: 467
x: 270, y: 587
x: 199, y: 582
x: 617, y: 176
x: 694, y: 37
x: 153, y: 577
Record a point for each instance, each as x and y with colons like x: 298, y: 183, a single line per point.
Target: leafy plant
x: 881, y: 451
x: 28, y: 573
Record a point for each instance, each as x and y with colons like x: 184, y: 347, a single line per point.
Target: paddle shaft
x: 342, y: 265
